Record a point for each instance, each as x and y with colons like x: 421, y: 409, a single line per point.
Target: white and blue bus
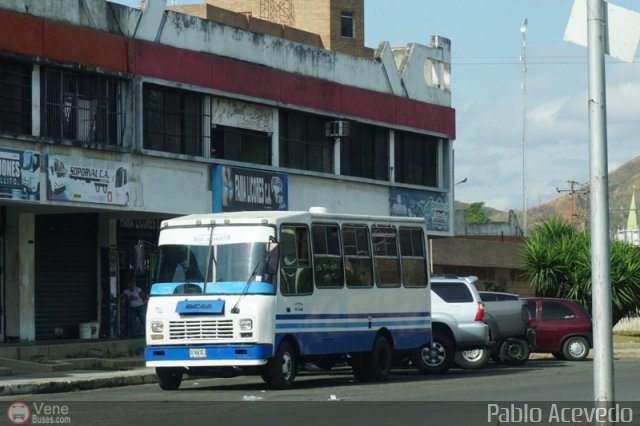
x: 265, y: 292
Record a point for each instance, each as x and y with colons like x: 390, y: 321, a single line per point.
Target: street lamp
x: 523, y: 58
x: 462, y: 181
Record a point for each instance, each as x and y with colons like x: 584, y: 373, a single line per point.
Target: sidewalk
x: 53, y: 382
x: 21, y: 383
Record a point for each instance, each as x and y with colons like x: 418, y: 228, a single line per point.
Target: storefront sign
x: 432, y: 206
x: 242, y: 115
x: 19, y: 174
x: 87, y: 180
x: 237, y: 189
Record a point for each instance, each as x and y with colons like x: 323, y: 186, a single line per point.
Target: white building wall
x: 337, y: 196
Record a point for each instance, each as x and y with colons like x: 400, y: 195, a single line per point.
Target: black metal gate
x: 66, y: 292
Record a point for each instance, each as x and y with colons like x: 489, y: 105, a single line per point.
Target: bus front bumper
x: 207, y: 355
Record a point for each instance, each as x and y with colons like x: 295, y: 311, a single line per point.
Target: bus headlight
x: 157, y: 326
x: 246, y: 324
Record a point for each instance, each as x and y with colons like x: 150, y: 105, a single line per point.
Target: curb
x: 53, y: 385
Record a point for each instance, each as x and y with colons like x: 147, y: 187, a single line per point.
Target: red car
x: 562, y: 326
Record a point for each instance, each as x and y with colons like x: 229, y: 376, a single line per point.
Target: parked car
x: 511, y: 338
x: 457, y: 319
x: 562, y: 326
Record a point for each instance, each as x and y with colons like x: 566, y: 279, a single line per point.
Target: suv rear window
x: 452, y: 292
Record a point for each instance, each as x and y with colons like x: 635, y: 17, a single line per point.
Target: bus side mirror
x: 272, y: 257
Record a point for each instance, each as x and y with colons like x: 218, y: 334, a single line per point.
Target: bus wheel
x: 378, y: 361
x: 169, y: 378
x: 281, y: 369
x: 435, y: 358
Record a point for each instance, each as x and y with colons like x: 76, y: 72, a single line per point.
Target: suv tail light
x: 480, y: 312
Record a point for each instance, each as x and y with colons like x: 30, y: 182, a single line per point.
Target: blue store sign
x: 238, y: 189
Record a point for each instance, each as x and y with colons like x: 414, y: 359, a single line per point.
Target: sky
x: 499, y: 128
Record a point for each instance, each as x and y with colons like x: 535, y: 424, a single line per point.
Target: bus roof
x: 277, y: 216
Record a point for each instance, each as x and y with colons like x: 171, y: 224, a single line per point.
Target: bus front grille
x: 205, y: 329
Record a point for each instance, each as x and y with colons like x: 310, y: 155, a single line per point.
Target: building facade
x: 114, y: 118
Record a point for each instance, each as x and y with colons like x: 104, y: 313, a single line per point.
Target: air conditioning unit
x: 337, y: 129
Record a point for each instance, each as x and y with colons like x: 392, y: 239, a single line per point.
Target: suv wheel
x: 473, y: 359
x: 435, y: 358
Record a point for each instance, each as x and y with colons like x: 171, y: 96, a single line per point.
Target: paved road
x: 461, y: 397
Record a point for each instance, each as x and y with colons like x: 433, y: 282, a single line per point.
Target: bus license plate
x: 197, y: 352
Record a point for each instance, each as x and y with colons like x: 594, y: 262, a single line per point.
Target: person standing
x: 135, y: 300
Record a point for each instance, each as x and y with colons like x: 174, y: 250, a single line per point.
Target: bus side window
x: 386, y: 258
x: 327, y: 259
x: 357, y: 256
x: 413, y: 258
x: 295, y: 267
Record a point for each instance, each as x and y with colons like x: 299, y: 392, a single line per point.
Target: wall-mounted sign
x: 242, y: 115
x: 238, y: 189
x: 432, y: 206
x: 19, y: 174
x: 87, y: 180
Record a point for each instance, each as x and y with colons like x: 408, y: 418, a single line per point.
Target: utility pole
x: 523, y: 58
x: 572, y: 192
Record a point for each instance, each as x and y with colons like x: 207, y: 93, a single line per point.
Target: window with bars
x: 82, y: 107
x: 365, y: 153
x: 237, y: 144
x: 416, y: 159
x: 303, y: 144
x: 175, y: 121
x: 15, y: 97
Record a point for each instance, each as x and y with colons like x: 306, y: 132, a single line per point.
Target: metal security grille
x: 205, y: 329
x: 15, y: 98
x: 82, y: 107
x: 175, y: 121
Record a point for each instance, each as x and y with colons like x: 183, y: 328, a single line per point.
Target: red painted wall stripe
x: 35, y: 36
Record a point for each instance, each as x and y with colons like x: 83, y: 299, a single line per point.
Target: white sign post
x: 604, y: 29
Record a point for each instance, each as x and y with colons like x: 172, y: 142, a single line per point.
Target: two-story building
x: 113, y: 118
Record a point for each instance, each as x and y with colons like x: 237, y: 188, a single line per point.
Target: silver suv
x: 457, y: 315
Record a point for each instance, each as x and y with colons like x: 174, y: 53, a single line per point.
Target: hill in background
x: 574, y: 205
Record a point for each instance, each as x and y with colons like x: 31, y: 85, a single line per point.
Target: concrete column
x: 26, y: 275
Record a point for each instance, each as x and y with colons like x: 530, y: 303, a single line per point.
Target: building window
x: 15, y: 98
x: 236, y: 144
x: 346, y: 24
x: 82, y: 107
x: 416, y: 159
x: 174, y: 121
x: 303, y: 144
x: 365, y: 153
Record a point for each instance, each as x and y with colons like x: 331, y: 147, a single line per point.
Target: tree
x: 474, y: 213
x: 557, y: 263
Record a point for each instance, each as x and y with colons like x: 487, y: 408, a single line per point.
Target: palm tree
x: 557, y: 263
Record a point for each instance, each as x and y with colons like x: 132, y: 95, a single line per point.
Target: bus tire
x: 436, y: 358
x: 169, y: 378
x: 282, y: 368
x: 377, y: 363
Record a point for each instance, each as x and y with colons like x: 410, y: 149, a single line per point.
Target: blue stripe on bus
x: 292, y: 317
x: 348, y: 341
x: 213, y: 352
x: 376, y: 323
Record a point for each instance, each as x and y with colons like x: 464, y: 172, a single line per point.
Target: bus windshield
x: 234, y: 259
